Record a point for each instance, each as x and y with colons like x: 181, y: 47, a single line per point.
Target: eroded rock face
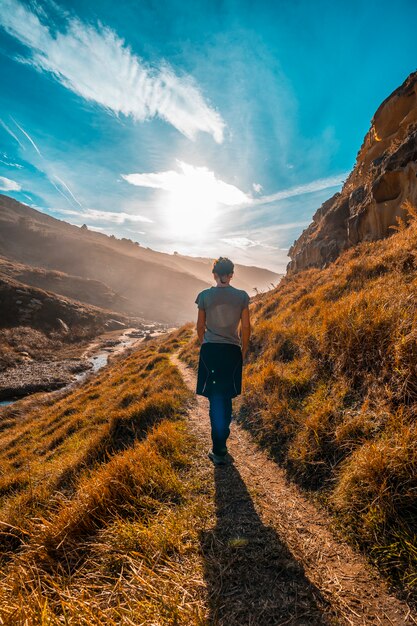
x: 384, y: 176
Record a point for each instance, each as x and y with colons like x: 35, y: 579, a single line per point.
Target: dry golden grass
x: 100, y: 513
x: 177, y: 339
x: 14, y: 341
x: 43, y: 451
x: 122, y: 550
x: 189, y: 351
x: 101, y: 516
x: 331, y: 388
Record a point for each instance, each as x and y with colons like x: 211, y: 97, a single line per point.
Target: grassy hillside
x: 39, y: 322
x: 99, y: 515
x: 82, y: 289
x: 331, y: 388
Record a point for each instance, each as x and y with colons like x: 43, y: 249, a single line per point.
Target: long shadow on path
x: 252, y: 578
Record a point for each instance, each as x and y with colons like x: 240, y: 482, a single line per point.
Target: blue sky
x: 208, y: 128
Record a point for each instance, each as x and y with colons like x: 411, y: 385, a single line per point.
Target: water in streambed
x: 98, y: 360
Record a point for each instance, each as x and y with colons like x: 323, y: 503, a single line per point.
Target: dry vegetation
x: 99, y: 515
x: 331, y: 390
x: 22, y: 342
x: 14, y: 341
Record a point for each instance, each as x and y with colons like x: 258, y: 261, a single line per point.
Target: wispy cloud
x: 6, y: 161
x: 316, y: 185
x: 244, y: 242
x: 202, y: 181
x: 64, y: 184
x: 98, y: 66
x: 105, y: 216
x: 55, y: 180
x: 9, y: 185
x: 191, y: 182
x: 199, y: 187
x: 28, y: 137
x: 11, y: 133
x: 11, y: 163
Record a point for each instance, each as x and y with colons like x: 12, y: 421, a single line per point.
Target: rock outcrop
x: 384, y: 176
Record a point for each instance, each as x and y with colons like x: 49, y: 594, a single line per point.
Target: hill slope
x: 85, y: 484
x: 330, y: 388
x: 43, y: 323
x: 84, y: 290
x: 136, y: 276
x: 111, y: 513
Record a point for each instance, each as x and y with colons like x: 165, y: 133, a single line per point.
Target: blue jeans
x: 220, y: 417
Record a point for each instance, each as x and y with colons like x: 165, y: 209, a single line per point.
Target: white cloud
x: 192, y: 209
x: 9, y: 163
x: 191, y: 180
x: 316, y: 185
x: 244, y: 243
x: 66, y: 188
x: 105, y: 216
x: 28, y: 137
x: 98, y: 66
x: 257, y: 187
x: 9, y: 185
x: 202, y: 182
x: 9, y: 130
x: 239, y: 242
x: 55, y: 180
x: 136, y: 232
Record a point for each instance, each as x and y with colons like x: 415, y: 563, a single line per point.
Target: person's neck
x: 219, y: 284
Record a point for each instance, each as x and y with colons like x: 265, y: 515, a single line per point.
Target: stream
x: 98, y: 360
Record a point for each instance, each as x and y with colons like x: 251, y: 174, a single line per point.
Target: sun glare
x: 193, y: 202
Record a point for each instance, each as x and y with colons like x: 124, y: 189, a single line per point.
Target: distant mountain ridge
x: 372, y: 198
x: 124, y: 276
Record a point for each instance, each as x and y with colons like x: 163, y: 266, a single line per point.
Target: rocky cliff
x: 384, y: 176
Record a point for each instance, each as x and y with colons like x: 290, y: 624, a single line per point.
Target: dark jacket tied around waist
x: 220, y: 370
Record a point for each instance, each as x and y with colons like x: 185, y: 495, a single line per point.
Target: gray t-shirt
x: 223, y: 307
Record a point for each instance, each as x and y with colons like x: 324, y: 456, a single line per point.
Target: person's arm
x: 201, y: 324
x: 245, y: 330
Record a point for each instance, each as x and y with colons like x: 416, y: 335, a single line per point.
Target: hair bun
x: 223, y: 266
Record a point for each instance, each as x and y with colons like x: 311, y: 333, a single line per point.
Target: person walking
x: 223, y: 329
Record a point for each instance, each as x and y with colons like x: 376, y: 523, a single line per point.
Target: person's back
x: 220, y: 311
x: 223, y: 307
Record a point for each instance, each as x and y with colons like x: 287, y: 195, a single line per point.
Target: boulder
x: 63, y: 326
x: 114, y: 324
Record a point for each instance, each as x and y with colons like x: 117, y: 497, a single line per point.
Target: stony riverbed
x: 33, y: 376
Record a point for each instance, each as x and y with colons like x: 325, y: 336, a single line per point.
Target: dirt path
x: 290, y: 570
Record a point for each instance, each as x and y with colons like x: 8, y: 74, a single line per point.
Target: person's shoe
x: 217, y: 459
